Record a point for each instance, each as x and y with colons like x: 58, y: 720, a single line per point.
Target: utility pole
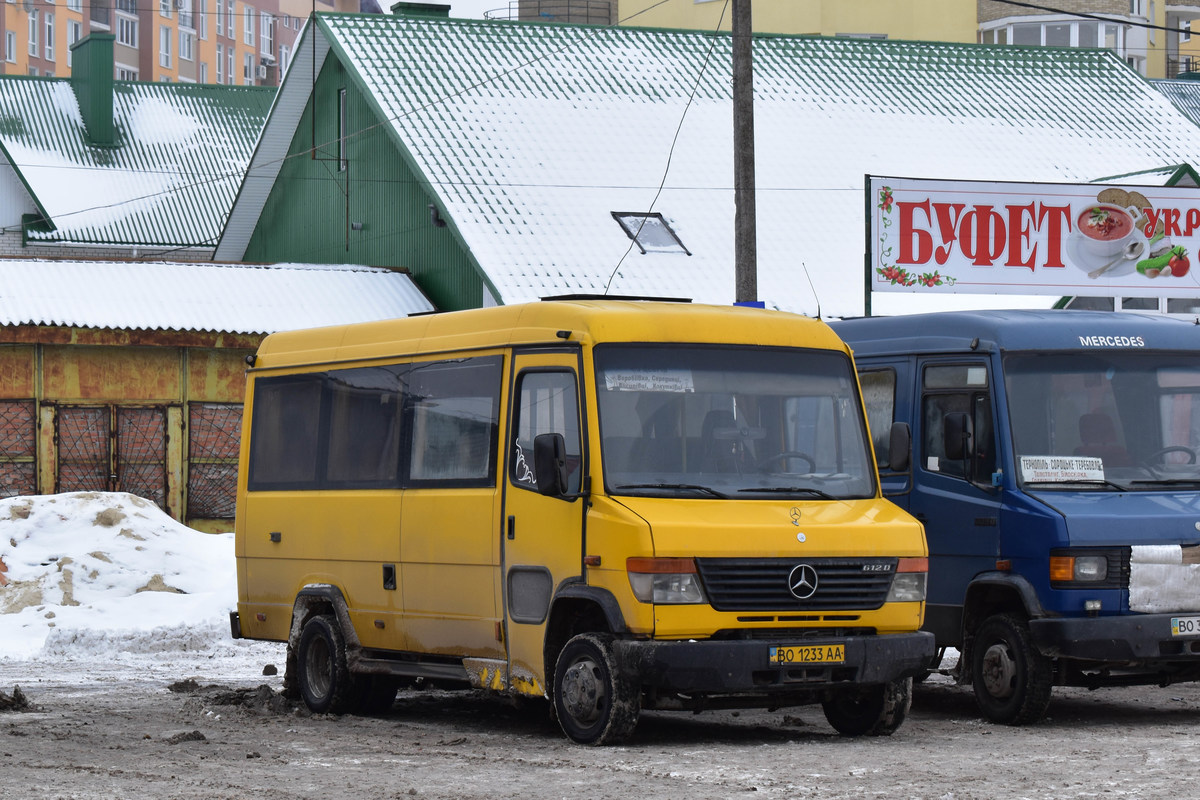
x: 745, y: 237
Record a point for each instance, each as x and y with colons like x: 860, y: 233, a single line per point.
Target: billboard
x: 987, y: 237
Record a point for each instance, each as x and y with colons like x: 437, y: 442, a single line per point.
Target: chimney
x: 92, y: 80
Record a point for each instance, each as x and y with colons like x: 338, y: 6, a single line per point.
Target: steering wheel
x: 1158, y: 454
x: 786, y: 454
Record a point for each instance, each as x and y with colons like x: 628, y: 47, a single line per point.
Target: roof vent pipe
x: 92, y: 80
x: 409, y: 9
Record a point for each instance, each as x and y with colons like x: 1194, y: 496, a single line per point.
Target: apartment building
x: 233, y: 42
x: 1152, y: 36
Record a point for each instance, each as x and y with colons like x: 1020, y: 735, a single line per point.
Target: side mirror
x: 550, y: 464
x: 899, y: 447
x: 957, y: 436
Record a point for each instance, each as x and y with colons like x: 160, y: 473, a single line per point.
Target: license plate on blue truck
x: 1185, y: 626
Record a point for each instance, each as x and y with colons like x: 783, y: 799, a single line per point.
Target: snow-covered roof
x: 201, y: 297
x: 532, y: 135
x: 171, y: 178
x: 1185, y: 94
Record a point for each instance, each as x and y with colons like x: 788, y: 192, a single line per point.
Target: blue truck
x: 1052, y: 457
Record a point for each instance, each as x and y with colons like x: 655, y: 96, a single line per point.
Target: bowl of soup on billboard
x: 1104, y: 229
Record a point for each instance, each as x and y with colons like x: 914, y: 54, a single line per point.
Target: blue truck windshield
x: 731, y: 422
x: 1109, y: 421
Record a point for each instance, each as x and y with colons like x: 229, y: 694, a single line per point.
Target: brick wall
x: 989, y: 10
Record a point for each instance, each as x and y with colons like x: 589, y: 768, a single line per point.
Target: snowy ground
x: 142, y: 694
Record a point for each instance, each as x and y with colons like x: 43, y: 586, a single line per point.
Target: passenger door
x: 542, y: 536
x: 954, y: 498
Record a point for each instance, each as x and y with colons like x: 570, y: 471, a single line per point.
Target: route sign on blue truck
x: 1054, y: 464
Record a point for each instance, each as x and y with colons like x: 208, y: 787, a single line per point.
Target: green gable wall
x: 384, y: 195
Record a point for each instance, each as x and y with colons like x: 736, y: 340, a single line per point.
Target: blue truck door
x: 954, y: 498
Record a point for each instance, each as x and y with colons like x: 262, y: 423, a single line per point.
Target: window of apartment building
x: 285, y: 58
x: 229, y: 65
x: 74, y: 34
x: 220, y: 17
x: 203, y: 72
x: 187, y: 41
x: 230, y: 20
x: 164, y: 46
x: 49, y: 49
x: 1137, y: 8
x: 33, y: 72
x: 203, y: 15
x: 248, y: 31
x: 220, y: 63
x: 164, y: 8
x: 186, y: 18
x: 127, y: 31
x: 33, y: 32
x: 1060, y: 33
x: 266, y: 30
x: 75, y: 5
x: 248, y: 69
x: 10, y: 46
x: 126, y: 73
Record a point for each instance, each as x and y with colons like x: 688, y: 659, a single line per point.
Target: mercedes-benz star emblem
x: 802, y: 582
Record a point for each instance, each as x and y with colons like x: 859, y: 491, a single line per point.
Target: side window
x: 453, y: 408
x: 284, y: 432
x: 959, y: 388
x: 547, y: 402
x: 879, y: 396
x: 364, y: 427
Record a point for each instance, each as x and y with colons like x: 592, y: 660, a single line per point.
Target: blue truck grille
x: 762, y: 584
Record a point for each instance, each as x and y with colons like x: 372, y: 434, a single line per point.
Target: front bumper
x: 742, y: 666
x: 1142, y: 638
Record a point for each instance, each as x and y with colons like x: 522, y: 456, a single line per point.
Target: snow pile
x: 94, y: 573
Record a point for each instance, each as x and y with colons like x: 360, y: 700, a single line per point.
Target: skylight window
x: 650, y: 232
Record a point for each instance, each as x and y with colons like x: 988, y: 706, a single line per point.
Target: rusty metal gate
x: 214, y: 432
x: 113, y: 449
x: 18, y: 448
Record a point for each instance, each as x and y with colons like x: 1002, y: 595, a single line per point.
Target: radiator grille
x: 753, y: 584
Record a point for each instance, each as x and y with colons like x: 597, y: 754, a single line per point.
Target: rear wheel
x: 870, y: 710
x: 325, y: 680
x: 1012, y: 680
x: 594, y: 700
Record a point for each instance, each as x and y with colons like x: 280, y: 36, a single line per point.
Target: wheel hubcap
x: 999, y: 671
x: 317, y: 668
x: 583, y: 691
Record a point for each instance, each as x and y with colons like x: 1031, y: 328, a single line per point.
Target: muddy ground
x: 205, y: 729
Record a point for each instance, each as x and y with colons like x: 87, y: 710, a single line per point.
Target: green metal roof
x: 170, y: 178
x: 531, y: 135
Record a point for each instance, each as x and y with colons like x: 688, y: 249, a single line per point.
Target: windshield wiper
x: 792, y: 490
x: 1099, y: 483
x: 1168, y: 481
x: 694, y: 487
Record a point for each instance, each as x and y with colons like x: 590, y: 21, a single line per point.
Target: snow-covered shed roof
x: 169, y: 180
x: 532, y: 135
x: 226, y: 298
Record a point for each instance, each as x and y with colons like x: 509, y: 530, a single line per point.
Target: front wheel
x: 594, y: 700
x: 870, y: 710
x: 1011, y: 679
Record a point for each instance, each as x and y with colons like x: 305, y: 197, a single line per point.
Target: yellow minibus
x: 613, y: 504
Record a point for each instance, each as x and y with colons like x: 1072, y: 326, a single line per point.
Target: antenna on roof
x: 804, y: 267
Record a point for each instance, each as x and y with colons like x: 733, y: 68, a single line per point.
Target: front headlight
x: 907, y: 587
x: 1066, y: 569
x: 665, y: 581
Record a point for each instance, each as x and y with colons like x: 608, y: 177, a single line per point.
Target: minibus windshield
x: 1105, y: 421
x: 719, y: 422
